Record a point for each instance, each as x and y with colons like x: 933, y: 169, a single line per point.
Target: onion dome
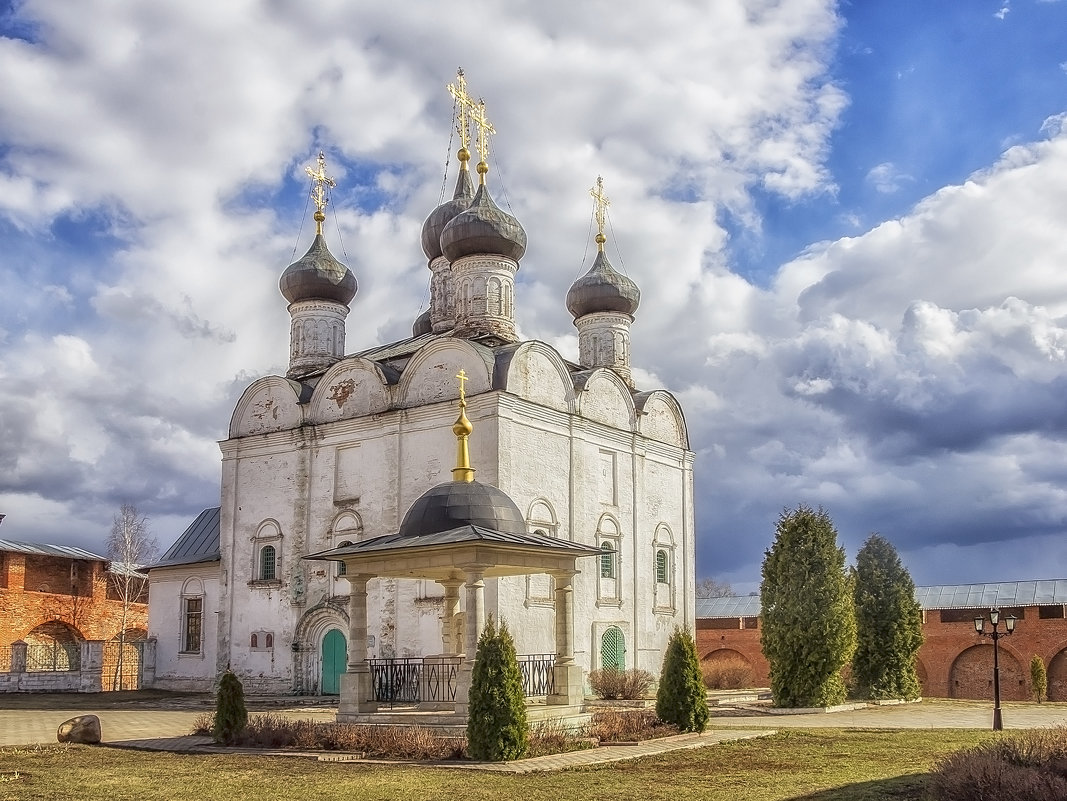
x: 484, y: 228
x: 422, y: 324
x: 602, y: 290
x: 443, y: 214
x: 317, y: 275
x: 462, y: 503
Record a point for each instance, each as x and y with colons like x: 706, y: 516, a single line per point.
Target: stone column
x: 357, y: 693
x: 474, y: 621
x: 567, y: 675
x: 451, y: 639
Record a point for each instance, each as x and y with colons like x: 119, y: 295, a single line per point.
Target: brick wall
x: 954, y: 661
x: 86, y: 610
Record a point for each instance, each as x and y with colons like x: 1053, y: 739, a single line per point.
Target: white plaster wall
x: 175, y: 671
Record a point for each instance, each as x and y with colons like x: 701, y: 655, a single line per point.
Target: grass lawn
x: 814, y: 764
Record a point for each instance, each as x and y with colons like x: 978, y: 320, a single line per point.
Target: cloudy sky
x: 847, y: 221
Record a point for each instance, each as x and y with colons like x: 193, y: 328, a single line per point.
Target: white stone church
x: 365, y: 533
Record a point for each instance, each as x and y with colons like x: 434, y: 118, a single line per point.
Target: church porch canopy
x: 438, y: 556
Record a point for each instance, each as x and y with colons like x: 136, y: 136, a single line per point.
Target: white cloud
x: 886, y: 178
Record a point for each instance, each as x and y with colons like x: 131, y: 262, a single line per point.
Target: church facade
x: 334, y: 453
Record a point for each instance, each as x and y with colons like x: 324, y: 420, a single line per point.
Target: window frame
x: 189, y: 615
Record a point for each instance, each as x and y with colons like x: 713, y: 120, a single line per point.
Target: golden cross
x: 601, y: 203
x: 465, y: 104
x: 318, y: 193
x: 463, y: 379
x: 485, y: 129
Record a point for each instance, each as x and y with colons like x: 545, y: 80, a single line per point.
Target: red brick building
x: 57, y: 594
x: 954, y: 661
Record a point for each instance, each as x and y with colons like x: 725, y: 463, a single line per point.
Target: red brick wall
x: 954, y: 662
x: 87, y: 610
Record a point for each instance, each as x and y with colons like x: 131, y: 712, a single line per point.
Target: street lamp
x: 996, y: 634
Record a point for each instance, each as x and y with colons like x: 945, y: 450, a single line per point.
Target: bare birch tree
x: 130, y: 546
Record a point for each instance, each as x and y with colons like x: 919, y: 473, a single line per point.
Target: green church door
x: 613, y: 649
x: 334, y: 661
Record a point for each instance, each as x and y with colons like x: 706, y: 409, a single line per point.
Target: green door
x: 613, y: 649
x: 334, y: 661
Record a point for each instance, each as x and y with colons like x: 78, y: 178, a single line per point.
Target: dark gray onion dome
x: 484, y: 228
x: 422, y: 324
x: 317, y: 275
x: 444, y: 214
x: 603, y: 290
x: 461, y: 503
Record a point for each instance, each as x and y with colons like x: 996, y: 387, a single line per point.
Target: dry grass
x: 727, y: 674
x: 614, y: 725
x: 1020, y: 766
x: 612, y: 684
x: 800, y: 765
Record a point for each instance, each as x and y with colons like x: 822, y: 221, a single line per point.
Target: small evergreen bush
x: 1038, y: 678
x: 612, y: 683
x: 496, y: 719
x: 231, y: 716
x: 682, y: 698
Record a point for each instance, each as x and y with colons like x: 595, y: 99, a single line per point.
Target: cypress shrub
x: 682, y: 698
x: 496, y: 722
x: 808, y: 620
x: 231, y: 716
x: 888, y: 625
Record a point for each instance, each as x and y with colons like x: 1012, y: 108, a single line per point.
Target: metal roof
x: 987, y: 596
x: 731, y: 606
x: 456, y: 536
x: 39, y: 549
x: 198, y: 543
x: 394, y: 350
x: 939, y: 596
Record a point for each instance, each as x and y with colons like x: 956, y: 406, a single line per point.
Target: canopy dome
x: 603, y: 290
x: 462, y: 503
x: 317, y: 275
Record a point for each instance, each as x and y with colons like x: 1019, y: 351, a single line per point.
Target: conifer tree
x: 682, y: 697
x: 808, y: 623
x: 888, y: 624
x: 496, y: 721
x: 1038, y: 679
x: 231, y: 716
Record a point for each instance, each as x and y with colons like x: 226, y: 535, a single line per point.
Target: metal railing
x: 53, y: 657
x: 538, y: 677
x: 414, y: 680
x: 5, y: 658
x: 396, y: 681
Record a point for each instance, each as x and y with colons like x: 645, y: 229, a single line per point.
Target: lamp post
x: 996, y: 634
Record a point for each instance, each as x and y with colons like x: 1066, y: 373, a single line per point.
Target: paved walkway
x: 164, y: 724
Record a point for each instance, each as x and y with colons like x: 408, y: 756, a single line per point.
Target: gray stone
x: 82, y: 729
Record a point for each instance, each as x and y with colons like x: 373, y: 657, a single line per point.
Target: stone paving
x: 165, y: 725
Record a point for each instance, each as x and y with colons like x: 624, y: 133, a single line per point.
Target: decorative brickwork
x: 954, y: 661
x: 40, y: 595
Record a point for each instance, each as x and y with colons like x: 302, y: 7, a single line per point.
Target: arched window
x: 268, y: 563
x: 254, y: 640
x: 607, y: 560
x: 663, y: 552
x: 269, y: 640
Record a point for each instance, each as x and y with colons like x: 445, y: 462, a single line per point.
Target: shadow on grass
x: 900, y: 788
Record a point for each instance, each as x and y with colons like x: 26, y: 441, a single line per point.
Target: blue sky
x: 846, y: 221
